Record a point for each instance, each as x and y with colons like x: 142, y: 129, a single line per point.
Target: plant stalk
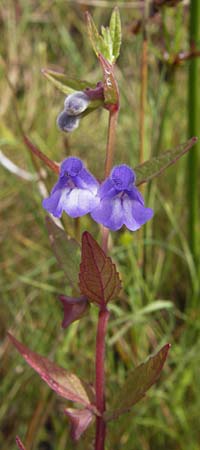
x: 112, y: 125
x: 193, y: 129
x: 100, y: 378
x: 142, y: 117
x: 104, y: 313
x: 113, y: 116
x: 143, y: 97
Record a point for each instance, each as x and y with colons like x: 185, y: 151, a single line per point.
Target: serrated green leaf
x: 108, y: 41
x: 116, y: 33
x: 155, y: 166
x: 64, y: 83
x: 137, y: 384
x: 97, y: 41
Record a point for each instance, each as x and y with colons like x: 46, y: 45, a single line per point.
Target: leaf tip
x: 168, y: 346
x: 85, y: 236
x: 87, y: 15
x: 15, y: 342
x: 165, y: 351
x: 19, y: 443
x: 85, y: 233
x: 44, y: 72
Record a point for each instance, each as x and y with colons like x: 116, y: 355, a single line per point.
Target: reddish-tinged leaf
x: 19, y: 443
x: 111, y: 92
x: 74, y: 308
x: 155, y: 166
x: 64, y: 383
x: 48, y: 162
x: 66, y: 250
x: 138, y: 383
x: 80, y: 420
x: 99, y: 279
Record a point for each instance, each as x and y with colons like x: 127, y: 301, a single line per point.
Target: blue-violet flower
x: 76, y: 103
x: 120, y: 201
x: 75, y: 192
x: 66, y: 122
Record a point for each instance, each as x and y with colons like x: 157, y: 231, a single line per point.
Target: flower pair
x: 114, y: 203
x: 74, y: 105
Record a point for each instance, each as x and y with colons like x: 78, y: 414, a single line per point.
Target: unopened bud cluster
x: 74, y: 105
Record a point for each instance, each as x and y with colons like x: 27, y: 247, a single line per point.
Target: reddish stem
x: 113, y: 116
x: 100, y: 378
x: 104, y: 313
x: 111, y: 141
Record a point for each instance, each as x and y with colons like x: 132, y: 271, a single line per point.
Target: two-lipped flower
x: 114, y: 203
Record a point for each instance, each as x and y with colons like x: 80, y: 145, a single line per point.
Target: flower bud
x: 66, y: 122
x: 76, y: 103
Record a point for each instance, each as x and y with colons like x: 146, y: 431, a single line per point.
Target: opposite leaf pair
x: 70, y: 387
x: 114, y: 203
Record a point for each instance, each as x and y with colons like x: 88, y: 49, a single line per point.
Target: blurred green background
x: 160, y: 273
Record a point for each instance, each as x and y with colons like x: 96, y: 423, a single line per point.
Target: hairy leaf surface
x: 137, y: 384
x: 65, y: 84
x: 108, y: 44
x: 108, y: 41
x: 116, y: 33
x: 99, y: 279
x: 97, y: 41
x: 64, y: 383
x: 155, y: 166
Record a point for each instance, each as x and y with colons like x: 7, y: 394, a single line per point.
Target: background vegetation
x: 160, y: 302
